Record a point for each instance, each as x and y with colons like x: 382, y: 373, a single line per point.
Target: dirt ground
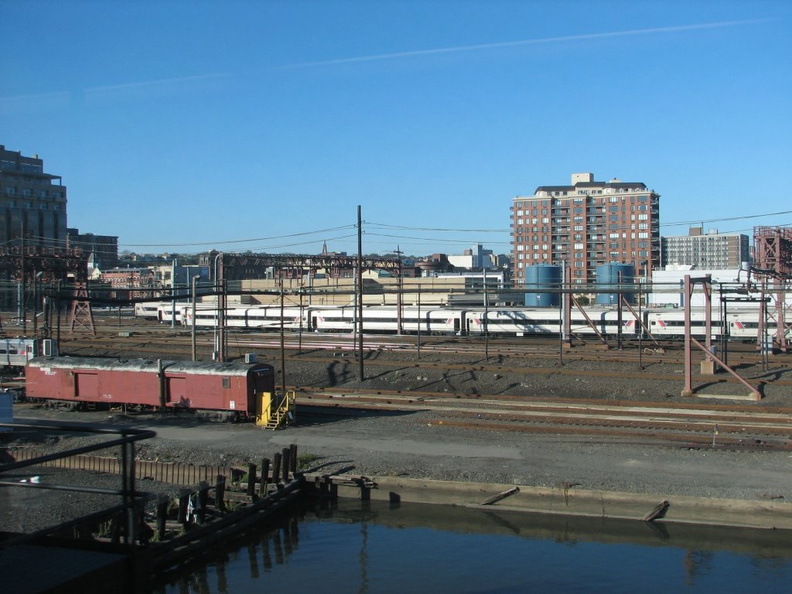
x: 418, y: 445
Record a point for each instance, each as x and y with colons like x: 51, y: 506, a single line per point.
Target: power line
x: 438, y: 229
x: 235, y: 241
x: 740, y: 218
x: 429, y: 239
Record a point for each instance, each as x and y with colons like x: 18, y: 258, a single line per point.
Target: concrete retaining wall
x: 770, y: 514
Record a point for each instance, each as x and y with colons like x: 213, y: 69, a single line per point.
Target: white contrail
x: 61, y: 98
x: 28, y: 102
x: 155, y: 83
x: 469, y: 48
x: 23, y: 103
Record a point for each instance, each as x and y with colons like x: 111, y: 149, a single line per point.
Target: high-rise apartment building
x: 712, y: 250
x: 585, y: 225
x: 32, y: 203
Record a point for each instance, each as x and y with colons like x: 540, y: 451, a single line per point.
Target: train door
x: 86, y: 385
x: 176, y: 391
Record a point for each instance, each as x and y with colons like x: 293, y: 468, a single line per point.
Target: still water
x: 373, y: 547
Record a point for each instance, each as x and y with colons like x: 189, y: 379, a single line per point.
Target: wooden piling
x: 276, y: 466
x: 265, y: 473
x: 286, y: 465
x: 203, y: 495
x: 162, y: 516
x: 220, y: 484
x: 184, y: 502
x: 251, y: 484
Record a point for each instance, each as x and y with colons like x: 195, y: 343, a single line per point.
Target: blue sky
x: 184, y: 126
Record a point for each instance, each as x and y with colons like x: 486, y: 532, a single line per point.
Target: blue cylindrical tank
x: 608, y: 283
x: 544, y: 280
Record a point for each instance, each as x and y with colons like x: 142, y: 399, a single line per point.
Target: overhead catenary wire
x: 371, y: 231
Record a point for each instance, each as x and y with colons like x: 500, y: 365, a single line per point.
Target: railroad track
x: 178, y: 342
x: 687, y: 425
x: 327, y: 350
x: 696, y: 424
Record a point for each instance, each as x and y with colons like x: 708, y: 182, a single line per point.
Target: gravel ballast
x: 417, y: 445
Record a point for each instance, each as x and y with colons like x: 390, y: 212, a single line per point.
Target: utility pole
x: 361, y: 371
x: 194, y: 345
x: 399, y: 290
x: 485, y: 326
x: 282, y: 343
x: 22, y: 305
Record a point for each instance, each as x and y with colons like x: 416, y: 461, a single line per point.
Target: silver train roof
x: 148, y: 365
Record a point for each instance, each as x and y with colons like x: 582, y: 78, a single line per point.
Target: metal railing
x: 132, y: 501
x: 284, y: 413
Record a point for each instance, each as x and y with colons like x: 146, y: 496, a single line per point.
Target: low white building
x: 476, y: 258
x: 668, y: 286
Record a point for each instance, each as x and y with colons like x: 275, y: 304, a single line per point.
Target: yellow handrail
x: 284, y: 413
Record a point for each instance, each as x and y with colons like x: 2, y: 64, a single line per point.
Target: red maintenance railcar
x: 234, y: 390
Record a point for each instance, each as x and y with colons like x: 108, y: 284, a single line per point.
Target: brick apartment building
x: 584, y: 225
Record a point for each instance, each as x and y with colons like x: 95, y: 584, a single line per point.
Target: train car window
x: 226, y: 382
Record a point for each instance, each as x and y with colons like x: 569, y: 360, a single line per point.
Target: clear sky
x: 184, y: 126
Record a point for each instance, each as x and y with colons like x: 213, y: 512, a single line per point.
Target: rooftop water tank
x: 545, y: 281
x: 610, y: 279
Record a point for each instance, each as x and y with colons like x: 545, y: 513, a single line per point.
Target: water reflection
x: 368, y: 547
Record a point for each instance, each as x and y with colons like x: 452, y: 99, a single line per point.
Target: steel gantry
x: 711, y: 359
x: 229, y: 268
x: 773, y: 268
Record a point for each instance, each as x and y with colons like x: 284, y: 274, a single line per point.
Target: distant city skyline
x: 184, y: 127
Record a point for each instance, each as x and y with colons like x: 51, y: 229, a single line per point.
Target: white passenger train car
x: 385, y: 319
x: 16, y: 352
x: 149, y: 310
x: 522, y: 321
x: 741, y: 323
